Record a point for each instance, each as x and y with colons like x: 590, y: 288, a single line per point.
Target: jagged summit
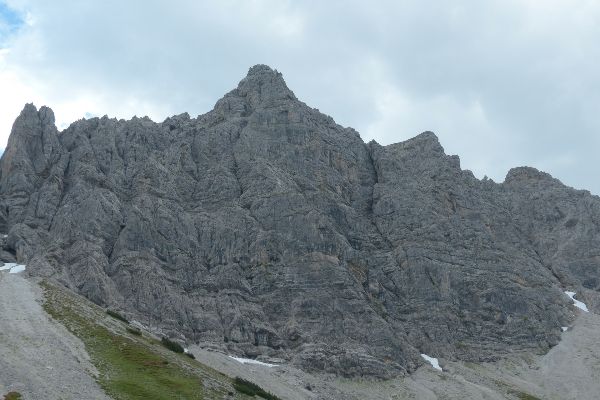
x: 261, y: 69
x: 262, y: 87
x: 426, y: 141
x: 524, y: 175
x: 28, y: 109
x: 265, y: 86
x: 30, y: 114
x: 427, y: 136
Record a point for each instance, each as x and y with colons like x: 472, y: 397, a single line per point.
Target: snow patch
x: 16, y: 269
x: 251, y: 361
x: 564, y: 328
x: 432, y: 360
x: 577, y: 303
x: 13, y: 268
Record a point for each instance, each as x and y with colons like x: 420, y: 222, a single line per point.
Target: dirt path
x: 39, y: 358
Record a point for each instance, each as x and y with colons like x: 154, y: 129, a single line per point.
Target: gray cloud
x: 502, y: 83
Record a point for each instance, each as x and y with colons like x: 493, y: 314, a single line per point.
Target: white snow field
x: 251, y: 361
x: 432, y: 360
x: 12, y: 268
x: 577, y: 303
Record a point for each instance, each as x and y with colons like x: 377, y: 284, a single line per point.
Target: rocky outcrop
x: 267, y: 229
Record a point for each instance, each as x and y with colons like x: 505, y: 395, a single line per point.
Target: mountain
x: 267, y: 230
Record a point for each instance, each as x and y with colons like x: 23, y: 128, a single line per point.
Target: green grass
x: 526, y: 396
x: 129, y: 369
x: 515, y: 392
x: 13, y: 396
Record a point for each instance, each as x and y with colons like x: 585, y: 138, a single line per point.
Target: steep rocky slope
x: 39, y: 358
x: 55, y: 344
x: 267, y: 229
x: 569, y: 371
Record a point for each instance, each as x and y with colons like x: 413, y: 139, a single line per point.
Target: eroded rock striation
x: 267, y: 229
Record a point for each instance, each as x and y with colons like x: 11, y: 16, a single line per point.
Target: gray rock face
x: 267, y: 229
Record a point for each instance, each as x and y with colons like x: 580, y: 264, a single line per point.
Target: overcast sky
x: 502, y: 83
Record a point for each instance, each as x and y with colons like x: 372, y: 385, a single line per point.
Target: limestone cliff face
x: 266, y: 228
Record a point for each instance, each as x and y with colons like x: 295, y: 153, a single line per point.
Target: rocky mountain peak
x: 31, y: 116
x: 261, y: 69
x: 30, y: 132
x: 47, y: 116
x: 419, y: 155
x: 28, y: 110
x: 264, y: 86
x: 524, y: 175
x: 426, y: 141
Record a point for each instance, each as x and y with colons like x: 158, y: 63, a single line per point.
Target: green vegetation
x: 252, y: 389
x: 116, y: 315
x: 515, y: 392
x: 131, y: 366
x: 171, y: 345
x: 526, y: 396
x: 13, y: 396
x: 133, y: 330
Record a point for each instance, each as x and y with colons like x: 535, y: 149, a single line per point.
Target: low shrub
x: 526, y: 396
x: 245, y: 387
x: 252, y: 389
x: 116, y: 315
x: 134, y: 331
x: 171, y: 345
x: 13, y: 396
x: 268, y: 396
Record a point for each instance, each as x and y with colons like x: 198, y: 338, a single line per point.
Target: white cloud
x: 14, y: 94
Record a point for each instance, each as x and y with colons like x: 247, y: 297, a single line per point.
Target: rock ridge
x: 264, y: 228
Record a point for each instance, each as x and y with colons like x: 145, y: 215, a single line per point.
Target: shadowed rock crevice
x: 264, y: 228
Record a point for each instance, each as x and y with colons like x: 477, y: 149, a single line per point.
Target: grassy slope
x: 130, y: 366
